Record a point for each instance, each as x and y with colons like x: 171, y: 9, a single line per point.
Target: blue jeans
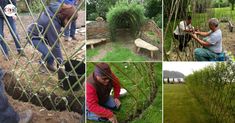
x: 70, y: 30
x: 110, y: 104
x: 203, y: 54
x: 13, y: 33
x: 42, y: 48
x: 7, y: 113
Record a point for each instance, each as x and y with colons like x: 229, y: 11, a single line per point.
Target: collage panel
x: 124, y: 30
x: 199, y: 92
x: 121, y: 92
x: 117, y: 61
x: 198, y: 30
x: 42, y: 61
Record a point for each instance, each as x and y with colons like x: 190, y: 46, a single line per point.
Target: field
x: 180, y: 106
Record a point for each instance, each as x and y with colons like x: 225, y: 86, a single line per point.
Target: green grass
x: 118, y: 53
x: 225, y: 12
x: 181, y: 107
x: 92, y: 52
x: 129, y: 104
x: 122, y: 54
x: 153, y: 114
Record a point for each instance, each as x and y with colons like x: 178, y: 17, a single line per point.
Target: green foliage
x: 214, y: 87
x: 158, y: 20
x: 125, y: 14
x: 36, y: 6
x: 98, y: 8
x: 220, y: 3
x: 152, y: 114
x: 232, y: 2
x: 180, y: 10
x: 153, y: 8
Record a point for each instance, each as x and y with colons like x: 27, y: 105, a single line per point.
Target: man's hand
x: 194, y: 35
x: 113, y: 119
x: 14, y: 17
x: 118, y: 102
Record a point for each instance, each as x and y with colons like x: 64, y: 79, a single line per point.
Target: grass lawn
x: 122, y: 54
x: 117, y: 53
x: 181, y: 107
x: 139, y: 89
x: 92, y: 52
x: 225, y: 12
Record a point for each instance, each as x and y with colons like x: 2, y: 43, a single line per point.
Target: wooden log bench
x: 145, y: 45
x: 91, y: 42
x: 230, y: 26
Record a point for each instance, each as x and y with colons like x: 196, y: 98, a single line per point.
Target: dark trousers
x: 183, y: 40
x: 7, y: 113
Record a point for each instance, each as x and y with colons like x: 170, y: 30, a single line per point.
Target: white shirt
x: 181, y: 27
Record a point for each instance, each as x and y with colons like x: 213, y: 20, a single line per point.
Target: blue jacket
x: 50, y: 35
x: 3, y: 3
x: 71, y: 2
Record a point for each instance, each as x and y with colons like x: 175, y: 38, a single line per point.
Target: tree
x: 232, y: 3
x: 153, y: 8
x: 97, y: 8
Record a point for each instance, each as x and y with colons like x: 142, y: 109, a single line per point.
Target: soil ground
x: 41, y: 115
x: 27, y: 67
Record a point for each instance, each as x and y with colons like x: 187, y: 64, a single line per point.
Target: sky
x: 184, y: 67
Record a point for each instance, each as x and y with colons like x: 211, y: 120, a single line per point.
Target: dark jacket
x: 50, y: 34
x: 3, y: 3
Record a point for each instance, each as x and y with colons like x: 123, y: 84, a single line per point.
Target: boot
x: 51, y: 67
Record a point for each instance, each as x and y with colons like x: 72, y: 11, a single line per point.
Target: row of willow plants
x: 214, y: 87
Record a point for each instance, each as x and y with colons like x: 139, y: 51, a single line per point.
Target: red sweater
x: 92, y: 100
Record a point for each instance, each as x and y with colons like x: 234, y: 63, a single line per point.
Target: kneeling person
x: 212, y: 44
x: 98, y: 100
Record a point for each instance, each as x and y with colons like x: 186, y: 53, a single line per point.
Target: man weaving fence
x: 212, y: 44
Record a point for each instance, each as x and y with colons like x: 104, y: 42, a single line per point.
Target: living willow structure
x: 214, y: 87
x: 125, y: 14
